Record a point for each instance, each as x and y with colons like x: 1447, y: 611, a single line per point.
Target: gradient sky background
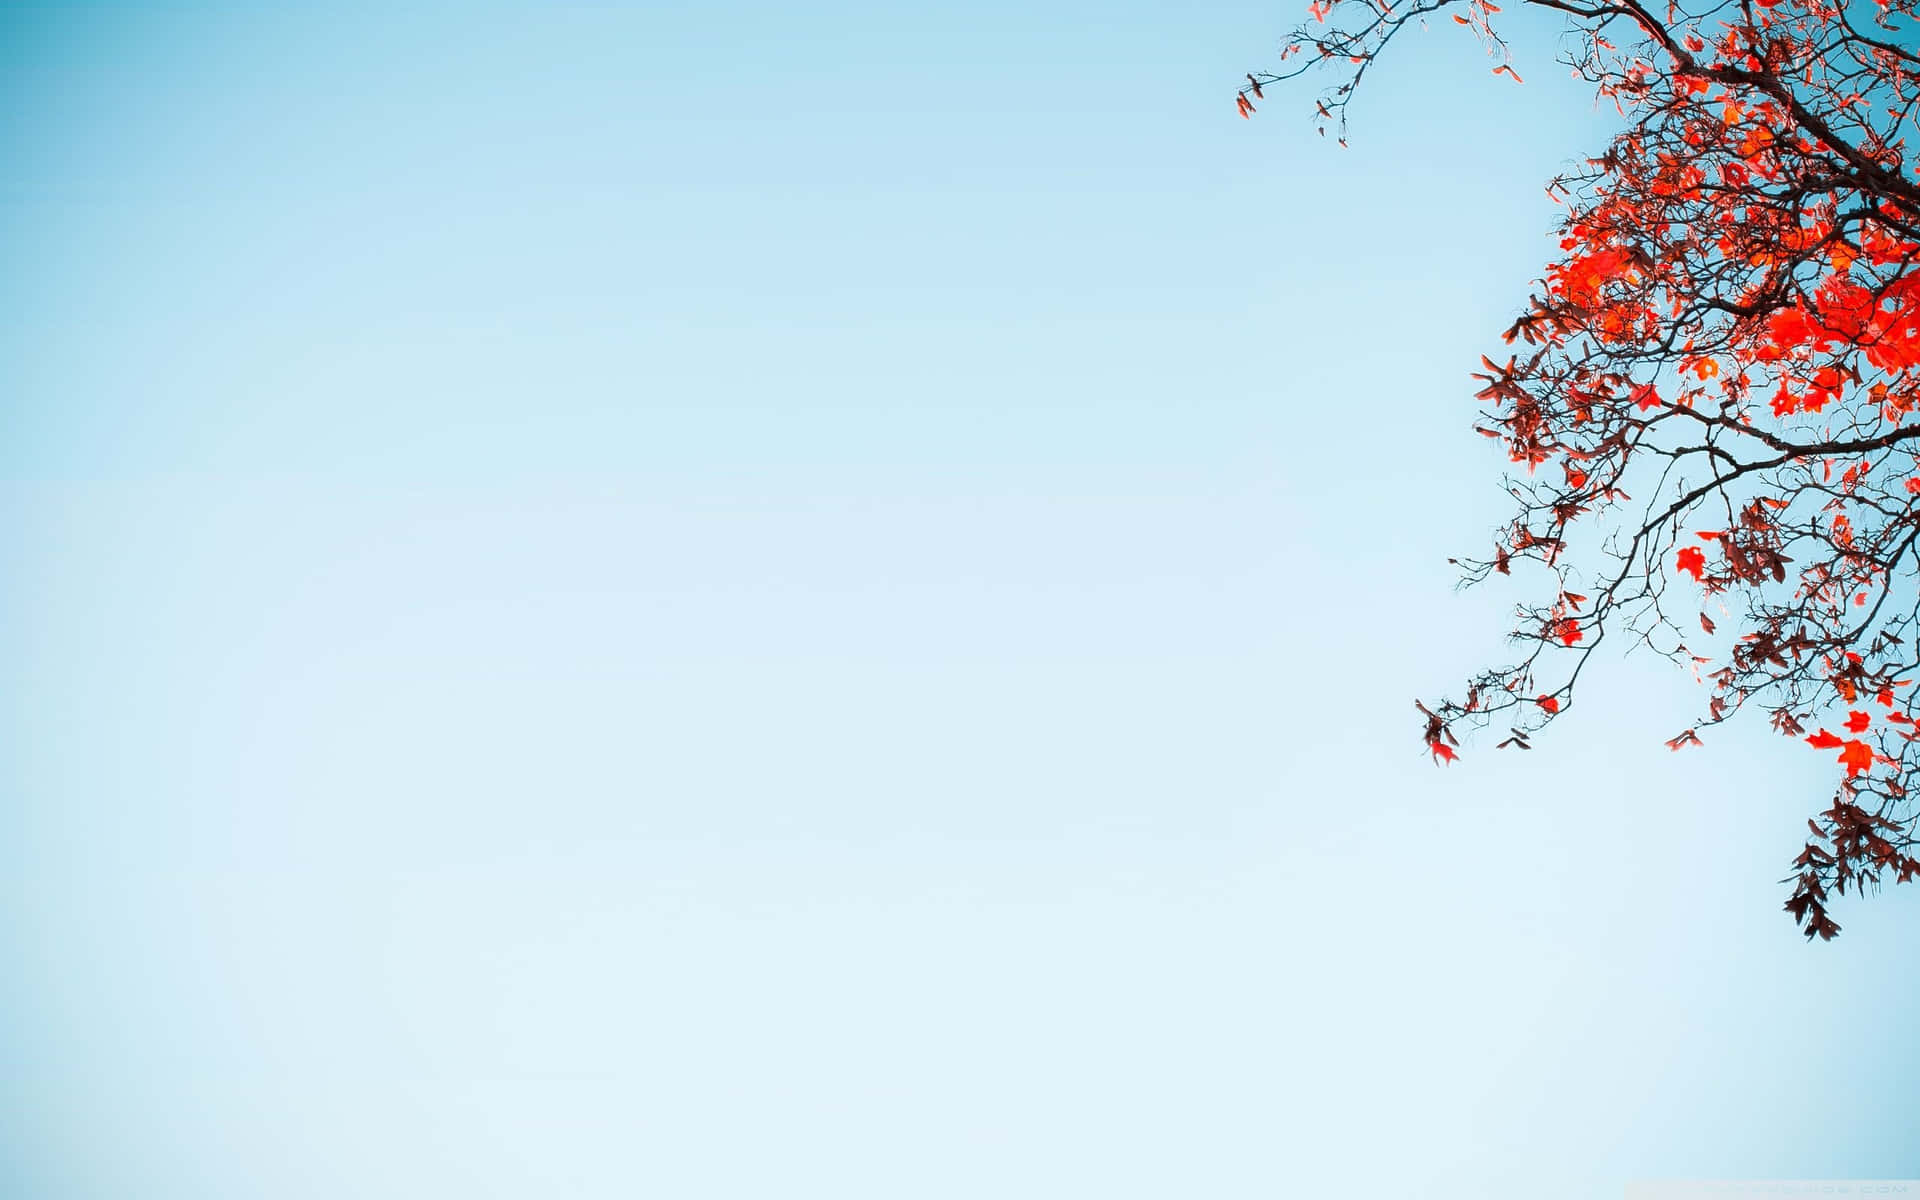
x: 751, y: 600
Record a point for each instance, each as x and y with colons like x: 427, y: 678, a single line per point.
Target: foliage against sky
x: 1709, y: 398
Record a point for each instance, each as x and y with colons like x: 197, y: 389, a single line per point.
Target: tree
x: 1714, y: 389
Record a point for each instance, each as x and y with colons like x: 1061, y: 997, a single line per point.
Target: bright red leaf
x: 1691, y: 561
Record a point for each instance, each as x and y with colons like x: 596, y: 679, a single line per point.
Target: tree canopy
x: 1713, y: 392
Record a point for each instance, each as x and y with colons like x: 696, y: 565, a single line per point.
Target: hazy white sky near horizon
x: 743, y: 601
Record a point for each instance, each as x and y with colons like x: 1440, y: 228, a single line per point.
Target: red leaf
x: 1691, y: 561
x: 1856, y: 756
x: 1857, y: 722
x: 1823, y: 741
x: 1549, y: 703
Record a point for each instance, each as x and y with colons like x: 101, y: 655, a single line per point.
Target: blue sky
x: 736, y: 601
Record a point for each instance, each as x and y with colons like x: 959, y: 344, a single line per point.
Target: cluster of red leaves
x: 1732, y: 333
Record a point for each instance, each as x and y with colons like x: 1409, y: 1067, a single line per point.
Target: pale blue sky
x: 755, y: 601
